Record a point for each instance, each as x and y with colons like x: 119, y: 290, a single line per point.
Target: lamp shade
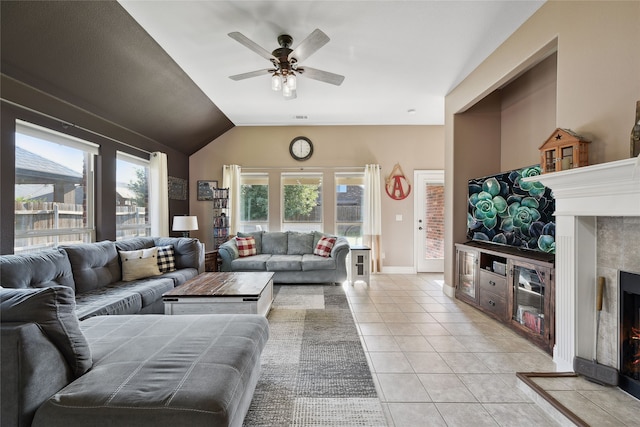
x: 185, y: 223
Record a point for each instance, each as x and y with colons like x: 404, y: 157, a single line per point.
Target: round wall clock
x: 301, y: 148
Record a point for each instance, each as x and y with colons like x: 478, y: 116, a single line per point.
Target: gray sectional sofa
x: 290, y: 256
x: 94, y: 272
x: 117, y: 367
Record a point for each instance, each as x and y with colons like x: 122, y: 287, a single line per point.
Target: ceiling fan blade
x: 309, y: 46
x: 323, y: 76
x: 247, y: 42
x: 250, y: 74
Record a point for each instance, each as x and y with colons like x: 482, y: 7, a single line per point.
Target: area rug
x: 314, y: 370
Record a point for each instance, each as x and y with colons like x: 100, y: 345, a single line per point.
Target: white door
x: 429, y: 220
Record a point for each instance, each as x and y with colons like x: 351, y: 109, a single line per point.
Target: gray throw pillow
x: 53, y: 309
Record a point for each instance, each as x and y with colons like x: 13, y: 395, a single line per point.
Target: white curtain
x: 158, y: 195
x: 372, y: 221
x: 231, y: 180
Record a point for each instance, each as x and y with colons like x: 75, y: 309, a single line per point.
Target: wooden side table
x: 360, y: 264
x: 211, y: 261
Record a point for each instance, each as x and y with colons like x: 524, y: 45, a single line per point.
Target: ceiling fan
x: 286, y: 62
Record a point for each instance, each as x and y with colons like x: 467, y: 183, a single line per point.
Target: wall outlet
x: 398, y: 217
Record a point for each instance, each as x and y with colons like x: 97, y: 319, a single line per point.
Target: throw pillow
x: 325, y: 244
x: 53, y: 309
x: 139, y: 264
x: 166, y: 259
x: 246, y: 246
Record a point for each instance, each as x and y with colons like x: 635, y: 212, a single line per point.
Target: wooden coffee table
x: 222, y: 293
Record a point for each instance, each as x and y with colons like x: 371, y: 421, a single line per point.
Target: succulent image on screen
x: 503, y: 209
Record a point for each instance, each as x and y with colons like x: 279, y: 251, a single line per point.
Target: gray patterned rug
x: 314, y: 371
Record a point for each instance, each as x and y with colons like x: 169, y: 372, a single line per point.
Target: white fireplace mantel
x: 581, y: 195
x: 607, y: 189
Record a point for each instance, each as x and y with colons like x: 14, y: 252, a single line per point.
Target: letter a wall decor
x: 397, y: 185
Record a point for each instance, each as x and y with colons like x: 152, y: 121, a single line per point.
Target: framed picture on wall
x: 177, y: 188
x: 205, y: 189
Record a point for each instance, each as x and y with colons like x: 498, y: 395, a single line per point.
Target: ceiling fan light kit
x: 285, y: 60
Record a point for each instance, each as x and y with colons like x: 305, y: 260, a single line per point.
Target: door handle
x: 419, y: 228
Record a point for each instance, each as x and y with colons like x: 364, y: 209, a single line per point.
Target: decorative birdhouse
x: 563, y: 150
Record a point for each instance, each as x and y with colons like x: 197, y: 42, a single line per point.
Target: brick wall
x: 435, y: 222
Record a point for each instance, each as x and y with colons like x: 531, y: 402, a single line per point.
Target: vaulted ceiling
x: 161, y: 68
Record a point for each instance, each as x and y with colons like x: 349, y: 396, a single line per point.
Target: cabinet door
x: 531, y: 291
x: 466, y: 275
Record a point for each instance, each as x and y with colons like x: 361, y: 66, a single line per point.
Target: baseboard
x: 398, y: 270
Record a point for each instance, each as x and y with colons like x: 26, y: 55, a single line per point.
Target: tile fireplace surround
x: 597, y: 234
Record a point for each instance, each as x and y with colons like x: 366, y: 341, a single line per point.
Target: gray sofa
x: 94, y: 272
x: 289, y: 255
x: 124, y: 369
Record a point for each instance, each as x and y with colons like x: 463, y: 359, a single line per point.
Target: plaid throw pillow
x: 166, y: 259
x: 325, y: 244
x: 246, y: 246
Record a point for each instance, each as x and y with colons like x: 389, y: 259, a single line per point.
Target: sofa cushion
x: 257, y: 235
x: 275, y: 243
x: 181, y: 276
x: 324, y: 246
x: 94, y: 265
x: 284, y: 263
x: 135, y: 244
x: 48, y: 267
x: 163, y: 370
x: 113, y: 298
x: 246, y: 246
x: 252, y: 263
x: 166, y: 259
x: 299, y: 243
x: 139, y: 264
x: 312, y: 262
x: 53, y: 309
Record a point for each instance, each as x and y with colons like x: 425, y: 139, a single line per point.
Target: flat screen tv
x: 504, y: 210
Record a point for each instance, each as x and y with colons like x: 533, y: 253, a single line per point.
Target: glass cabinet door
x: 467, y: 262
x: 529, y: 298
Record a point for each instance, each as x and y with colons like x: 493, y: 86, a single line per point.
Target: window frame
x: 284, y: 177
x: 257, y: 225
x: 90, y: 150
x: 146, y: 227
x: 338, y: 177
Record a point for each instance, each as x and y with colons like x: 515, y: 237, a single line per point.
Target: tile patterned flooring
x: 439, y: 362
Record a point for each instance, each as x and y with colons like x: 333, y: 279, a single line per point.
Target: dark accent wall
x: 105, y: 206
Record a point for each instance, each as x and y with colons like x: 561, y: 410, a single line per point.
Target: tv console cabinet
x: 515, y: 286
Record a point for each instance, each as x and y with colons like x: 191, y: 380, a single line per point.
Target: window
x: 132, y: 197
x: 254, y: 202
x: 54, y: 188
x: 302, y: 202
x: 349, y: 199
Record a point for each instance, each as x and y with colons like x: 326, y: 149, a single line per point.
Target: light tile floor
x: 440, y: 362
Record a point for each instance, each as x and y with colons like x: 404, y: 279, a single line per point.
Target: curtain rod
x: 302, y: 169
x: 65, y: 124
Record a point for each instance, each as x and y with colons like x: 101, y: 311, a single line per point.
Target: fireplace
x: 630, y: 333
x: 597, y: 234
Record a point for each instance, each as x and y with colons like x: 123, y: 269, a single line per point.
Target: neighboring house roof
x: 33, y: 168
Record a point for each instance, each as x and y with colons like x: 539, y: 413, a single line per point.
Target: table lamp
x: 185, y: 224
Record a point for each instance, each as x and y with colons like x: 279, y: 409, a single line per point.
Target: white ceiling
x: 396, y: 55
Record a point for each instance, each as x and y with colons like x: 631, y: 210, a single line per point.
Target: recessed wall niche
x: 504, y: 130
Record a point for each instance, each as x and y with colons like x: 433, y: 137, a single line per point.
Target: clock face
x: 301, y: 148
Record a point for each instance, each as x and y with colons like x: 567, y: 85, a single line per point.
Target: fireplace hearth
x: 630, y: 333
